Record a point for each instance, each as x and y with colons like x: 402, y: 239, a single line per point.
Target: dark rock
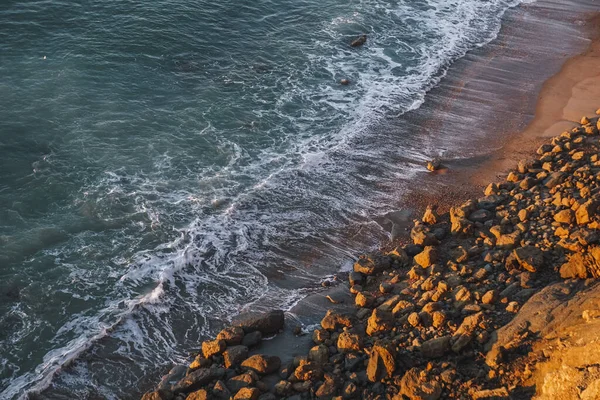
x: 252, y: 339
x: 262, y: 364
x: 232, y: 335
x: 197, y: 379
x: 362, y: 39
x: 436, y: 347
x: 161, y: 394
x: 266, y: 323
x: 234, y: 355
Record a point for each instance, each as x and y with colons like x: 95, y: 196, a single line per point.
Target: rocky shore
x: 495, y: 299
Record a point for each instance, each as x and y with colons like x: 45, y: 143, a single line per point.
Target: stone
x: 437, y: 347
x: 252, y: 339
x: 220, y: 391
x: 463, y: 335
x: 379, y: 321
x: 266, y: 323
x: 364, y: 299
x: 332, y: 321
x: 529, y: 258
x: 262, y: 364
x: 320, y: 335
x: 348, y: 342
x: 362, y: 39
x: 247, y: 393
x: 509, y: 240
x: 381, y: 363
x: 240, y: 381
x: 319, y: 354
x: 421, y: 236
x: 412, y: 387
x: 430, y: 217
x: 328, y: 389
x: 161, y: 394
x: 232, y: 335
x: 371, y: 265
x: 428, y: 256
x: 356, y: 278
x: 308, y: 372
x: 582, y: 265
x: 213, y: 347
x: 489, y: 297
x: 586, y: 212
x: 564, y: 217
x: 197, y: 379
x: 480, y: 216
x: 234, y: 355
x: 198, y: 395
x: 282, y: 388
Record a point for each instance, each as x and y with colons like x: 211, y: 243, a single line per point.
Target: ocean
x: 166, y: 165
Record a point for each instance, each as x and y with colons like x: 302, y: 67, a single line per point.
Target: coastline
x: 467, y: 175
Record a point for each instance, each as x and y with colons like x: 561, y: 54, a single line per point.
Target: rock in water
x: 434, y: 165
x: 362, y: 39
x: 345, y: 82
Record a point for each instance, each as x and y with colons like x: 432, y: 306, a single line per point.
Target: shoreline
x: 468, y: 175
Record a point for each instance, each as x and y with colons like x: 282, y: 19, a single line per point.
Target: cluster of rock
x: 428, y: 313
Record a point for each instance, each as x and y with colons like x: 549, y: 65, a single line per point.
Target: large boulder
x: 232, y: 335
x: 428, y: 256
x: 379, y: 321
x: 267, y: 323
x: 234, y: 356
x: 213, y: 347
x: 381, y: 362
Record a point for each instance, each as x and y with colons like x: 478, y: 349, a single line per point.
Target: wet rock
x: 362, y: 39
x: 319, y: 354
x: 213, y: 347
x: 434, y: 165
x: 161, y: 394
x: 234, y: 356
x: 247, y: 393
x: 266, y: 323
x: 197, y: 379
x: 262, y: 364
x: 381, y: 362
x: 232, y: 335
x: 198, y: 395
x: 252, y: 339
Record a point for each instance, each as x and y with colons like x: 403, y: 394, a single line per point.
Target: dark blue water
x: 167, y: 164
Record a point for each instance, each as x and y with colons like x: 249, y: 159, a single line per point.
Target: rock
x: 554, y: 179
x: 489, y: 297
x: 463, y: 335
x: 434, y: 165
x: 480, y: 216
x: 355, y: 278
x: 232, y: 335
x: 582, y: 265
x: 282, y: 388
x: 427, y: 257
x: 198, y: 395
x: 348, y: 342
x: 234, y: 355
x: 436, y: 347
x: 333, y: 321
x: 364, y: 299
x: 491, y: 394
x: 328, y: 389
x: 529, y: 258
x: 220, y: 391
x: 379, y: 321
x: 319, y: 354
x: 161, y: 394
x: 412, y: 387
x: 197, y: 379
x: 381, y: 362
x: 213, y: 347
x: 308, y: 372
x: 240, y: 381
x: 344, y: 82
x: 430, y: 217
x: 371, y: 265
x: 509, y: 241
x: 247, y: 393
x: 362, y: 39
x: 200, y: 362
x: 266, y: 323
x: 262, y: 364
x: 585, y: 212
x: 564, y: 217
x: 584, y: 120
x: 252, y: 339
x: 421, y: 236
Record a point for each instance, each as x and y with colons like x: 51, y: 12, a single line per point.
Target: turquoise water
x: 167, y: 164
